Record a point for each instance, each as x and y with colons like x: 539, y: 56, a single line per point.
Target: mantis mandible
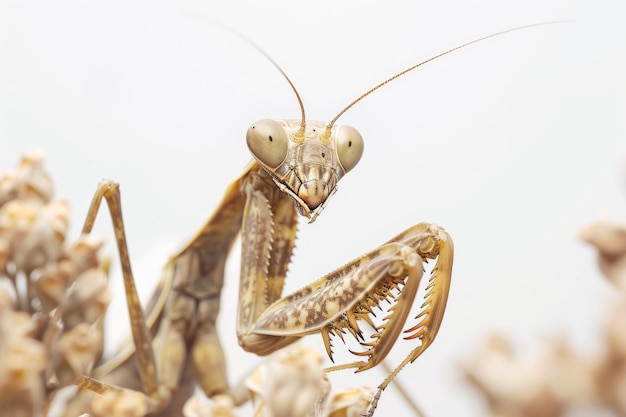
x: 297, y: 165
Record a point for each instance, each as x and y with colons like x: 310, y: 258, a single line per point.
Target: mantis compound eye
x: 268, y: 142
x: 349, y: 146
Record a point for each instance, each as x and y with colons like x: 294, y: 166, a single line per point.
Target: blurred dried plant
x: 290, y: 384
x: 562, y: 380
x: 52, y: 295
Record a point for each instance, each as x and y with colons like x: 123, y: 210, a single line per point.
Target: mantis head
x: 307, y: 159
x: 305, y: 163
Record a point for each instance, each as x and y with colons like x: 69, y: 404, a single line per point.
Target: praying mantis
x: 297, y: 165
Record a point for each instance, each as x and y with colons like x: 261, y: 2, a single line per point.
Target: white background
x: 512, y: 144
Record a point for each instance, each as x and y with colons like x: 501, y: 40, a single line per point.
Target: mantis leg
x: 183, y: 311
x: 109, y: 190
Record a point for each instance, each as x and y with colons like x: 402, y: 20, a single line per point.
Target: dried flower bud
x: 569, y: 377
x: 58, y: 291
x: 22, y: 360
x: 17, y: 325
x: 56, y: 278
x: 218, y: 406
x: 16, y: 219
x: 610, y: 240
x: 291, y: 384
x: 120, y: 404
x: 29, y: 181
x: 53, y: 284
x: 87, y: 300
x: 6, y: 302
x: 5, y: 254
x: 75, y: 353
x: 616, y: 334
x: 505, y: 380
x: 617, y: 391
x: 84, y: 252
x: 36, y: 233
x: 350, y: 402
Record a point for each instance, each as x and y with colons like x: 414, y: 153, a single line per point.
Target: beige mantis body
x: 296, y: 169
x: 193, y: 278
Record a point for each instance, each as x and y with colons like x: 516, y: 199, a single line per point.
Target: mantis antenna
x: 398, y: 75
x: 299, y: 136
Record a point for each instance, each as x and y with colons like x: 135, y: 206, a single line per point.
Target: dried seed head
x: 90, y: 293
x: 291, y: 384
x: 75, y: 353
x: 616, y: 334
x: 53, y: 284
x: 218, y: 406
x: 6, y: 302
x: 84, y: 252
x: 609, y: 238
x: 36, y: 233
x: 29, y: 181
x: 524, y: 387
x: 569, y: 377
x: 17, y: 325
x: 5, y: 255
x: 87, y: 300
x: 503, y: 378
x: 351, y: 402
x: 120, y: 404
x: 45, y: 332
x: 21, y: 358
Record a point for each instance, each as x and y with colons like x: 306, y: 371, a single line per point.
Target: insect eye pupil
x: 271, y: 140
x: 349, y: 143
x: 323, y: 155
